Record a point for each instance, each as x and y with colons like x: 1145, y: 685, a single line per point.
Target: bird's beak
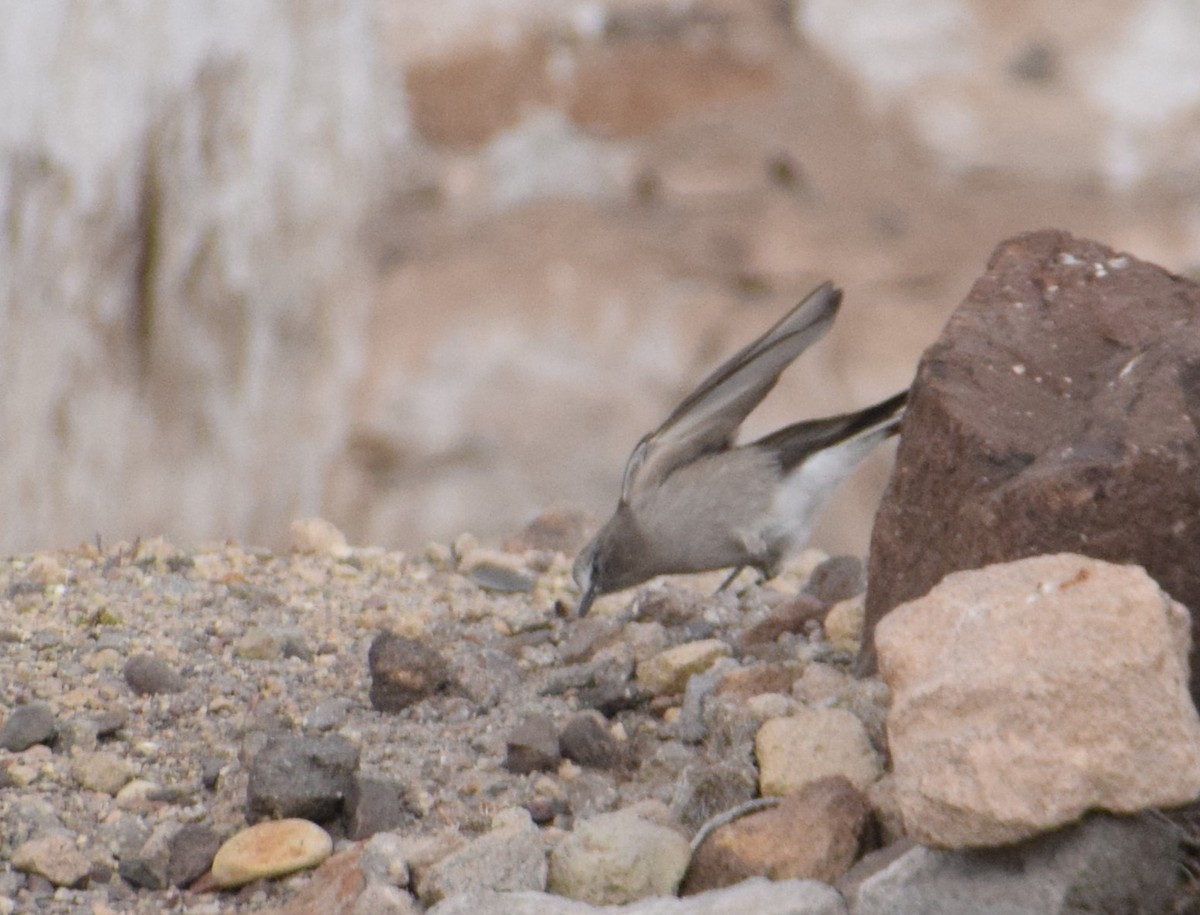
x: 585, y: 602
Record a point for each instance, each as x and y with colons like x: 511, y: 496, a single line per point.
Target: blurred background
x: 424, y: 268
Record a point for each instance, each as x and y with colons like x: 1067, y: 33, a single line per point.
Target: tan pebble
x: 270, y: 849
x: 135, y: 795
x: 258, y: 644
x: 811, y: 744
x: 22, y: 776
x: 105, y: 772
x: 55, y: 856
x: 316, y: 535
x: 568, y: 771
x: 668, y: 671
x: 844, y: 624
x: 769, y: 705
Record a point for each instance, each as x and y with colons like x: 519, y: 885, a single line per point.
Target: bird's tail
x: 856, y: 432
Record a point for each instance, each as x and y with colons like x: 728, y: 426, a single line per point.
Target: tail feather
x: 794, y: 444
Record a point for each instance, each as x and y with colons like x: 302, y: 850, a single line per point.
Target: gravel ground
x: 270, y: 644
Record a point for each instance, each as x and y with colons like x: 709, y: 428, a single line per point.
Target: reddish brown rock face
x: 1057, y: 412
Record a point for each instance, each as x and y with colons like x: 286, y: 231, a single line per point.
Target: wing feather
x: 708, y: 418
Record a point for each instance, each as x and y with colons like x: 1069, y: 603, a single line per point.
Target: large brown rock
x: 1057, y: 412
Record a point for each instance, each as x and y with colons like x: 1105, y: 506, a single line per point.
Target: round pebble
x: 270, y: 849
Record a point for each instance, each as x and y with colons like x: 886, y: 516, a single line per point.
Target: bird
x: 693, y: 500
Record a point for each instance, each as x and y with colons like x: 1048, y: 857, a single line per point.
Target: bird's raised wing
x: 708, y: 418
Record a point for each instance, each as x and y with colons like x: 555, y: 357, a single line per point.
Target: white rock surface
x: 182, y: 292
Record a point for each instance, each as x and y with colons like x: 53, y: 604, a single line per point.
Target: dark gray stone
x: 532, y: 746
x: 306, y: 777
x: 149, y: 675
x: 191, y: 853
x: 110, y: 721
x: 501, y: 579
x: 1103, y: 866
x: 28, y: 725
x: 586, y: 741
x: 374, y: 805
x: 836, y: 579
x: 404, y: 671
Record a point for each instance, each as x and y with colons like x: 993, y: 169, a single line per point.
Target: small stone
x: 744, y: 682
x: 306, y: 777
x: 612, y: 697
x: 54, y: 856
x: 499, y: 572
x: 149, y: 675
x: 404, y: 671
x: 329, y: 714
x: 533, y: 746
x: 210, y: 773
x: 813, y: 744
x: 814, y: 834
x: 102, y: 771
x: 190, y: 853
x: 320, y: 537
x: 844, y: 625
x: 586, y: 741
x: 669, y: 670
x: 110, y: 721
x: 136, y: 794
x: 27, y: 725
x: 616, y: 858
x: 508, y: 859
x: 837, y: 579
x: 344, y: 883
x: 373, y: 805
x: 270, y: 849
x: 45, y: 639
x: 765, y: 706
x: 822, y: 684
x: 148, y: 866
x: 383, y: 859
x: 258, y: 644
x: 793, y: 615
x: 668, y: 607
x: 703, y: 791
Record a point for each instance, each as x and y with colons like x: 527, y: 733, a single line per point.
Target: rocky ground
x: 156, y: 677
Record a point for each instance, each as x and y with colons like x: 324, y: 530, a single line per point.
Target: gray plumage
x: 693, y: 501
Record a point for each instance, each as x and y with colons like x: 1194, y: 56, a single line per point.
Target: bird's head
x: 614, y: 559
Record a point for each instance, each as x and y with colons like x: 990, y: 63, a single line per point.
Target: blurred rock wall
x: 182, y: 290
x: 430, y: 267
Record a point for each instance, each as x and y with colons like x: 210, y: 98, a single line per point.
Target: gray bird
x: 693, y: 501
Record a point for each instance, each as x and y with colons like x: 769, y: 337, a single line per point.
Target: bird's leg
x: 729, y: 579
